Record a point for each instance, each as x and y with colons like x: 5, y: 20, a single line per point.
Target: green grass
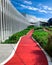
x: 49, y: 28
x: 15, y: 37
x: 44, y: 38
x: 41, y: 36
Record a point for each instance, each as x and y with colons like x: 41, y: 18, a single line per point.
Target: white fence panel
x: 11, y: 21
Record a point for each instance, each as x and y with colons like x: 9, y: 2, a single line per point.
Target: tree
x: 50, y: 21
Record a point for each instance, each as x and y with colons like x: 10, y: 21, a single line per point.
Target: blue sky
x: 37, y: 8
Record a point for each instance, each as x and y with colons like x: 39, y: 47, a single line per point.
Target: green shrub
x: 50, y: 39
x: 37, y: 28
x: 45, y: 40
x: 15, y: 37
x: 49, y: 28
x: 41, y: 37
x: 48, y: 47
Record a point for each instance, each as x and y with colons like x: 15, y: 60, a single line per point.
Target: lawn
x: 49, y: 28
x: 42, y: 37
x: 15, y: 37
x: 45, y: 40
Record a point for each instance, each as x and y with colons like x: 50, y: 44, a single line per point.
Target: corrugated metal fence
x: 11, y: 21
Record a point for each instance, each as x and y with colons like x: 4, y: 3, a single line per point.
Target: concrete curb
x: 47, y: 56
x: 13, y: 52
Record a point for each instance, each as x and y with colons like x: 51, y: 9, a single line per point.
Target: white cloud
x: 42, y: 19
x: 40, y: 10
x: 29, y: 7
x: 23, y: 6
x: 28, y: 2
x: 31, y: 18
x: 47, y: 8
x: 34, y: 8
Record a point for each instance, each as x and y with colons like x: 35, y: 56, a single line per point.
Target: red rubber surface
x: 28, y: 53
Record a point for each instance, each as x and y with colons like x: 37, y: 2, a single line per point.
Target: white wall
x: 13, y: 21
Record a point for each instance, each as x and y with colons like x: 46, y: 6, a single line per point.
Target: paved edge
x: 13, y: 52
x: 47, y: 56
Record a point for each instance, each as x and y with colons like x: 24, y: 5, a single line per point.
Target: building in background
x: 36, y: 21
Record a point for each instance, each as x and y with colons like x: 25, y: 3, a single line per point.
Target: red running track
x: 28, y: 53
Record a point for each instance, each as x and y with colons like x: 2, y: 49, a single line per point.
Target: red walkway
x: 28, y: 53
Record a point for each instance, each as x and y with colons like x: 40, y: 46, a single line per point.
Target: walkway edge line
x: 47, y: 56
x: 13, y: 52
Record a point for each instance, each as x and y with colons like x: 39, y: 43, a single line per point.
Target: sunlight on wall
x: 11, y: 21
